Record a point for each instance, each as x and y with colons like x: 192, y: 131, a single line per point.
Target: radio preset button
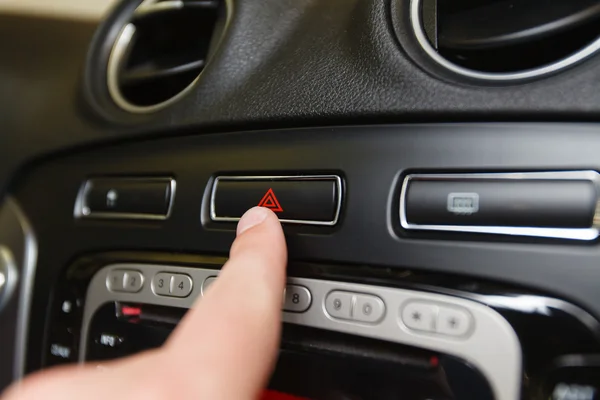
x: 134, y: 281
x: 297, y: 298
x: 420, y: 316
x: 368, y: 308
x: 115, y: 281
x: 161, y: 284
x: 181, y: 285
x: 339, y: 304
x: 207, y: 282
x: 453, y: 321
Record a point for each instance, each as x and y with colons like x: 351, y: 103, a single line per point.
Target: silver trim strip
x: 150, y: 7
x: 26, y: 288
x: 9, y: 276
x: 417, y: 26
x: 558, y: 233
x: 83, y: 211
x: 493, y: 346
x: 336, y: 178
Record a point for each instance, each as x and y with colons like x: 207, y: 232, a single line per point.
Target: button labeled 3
x: 368, y: 308
x: 420, y: 316
x: 161, y: 284
x: 339, y: 304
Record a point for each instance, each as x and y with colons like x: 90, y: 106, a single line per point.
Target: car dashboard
x: 434, y: 165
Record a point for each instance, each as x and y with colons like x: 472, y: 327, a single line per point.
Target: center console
x: 413, y: 272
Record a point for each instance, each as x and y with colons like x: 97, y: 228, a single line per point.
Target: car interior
x: 435, y: 165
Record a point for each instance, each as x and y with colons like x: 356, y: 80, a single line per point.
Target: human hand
x: 224, y: 348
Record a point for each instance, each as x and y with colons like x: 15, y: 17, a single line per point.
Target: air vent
x: 161, y: 52
x: 507, y: 39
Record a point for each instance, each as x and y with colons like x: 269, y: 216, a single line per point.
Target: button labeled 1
x: 297, y: 298
x: 339, y: 304
x: 115, y: 281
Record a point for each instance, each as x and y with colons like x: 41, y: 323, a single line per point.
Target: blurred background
x: 78, y: 9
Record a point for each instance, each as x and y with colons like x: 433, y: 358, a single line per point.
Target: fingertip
x: 253, y: 217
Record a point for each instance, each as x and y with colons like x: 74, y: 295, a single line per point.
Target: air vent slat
x: 152, y: 71
x: 174, y: 5
x: 506, y: 40
x: 161, y: 52
x: 507, y: 23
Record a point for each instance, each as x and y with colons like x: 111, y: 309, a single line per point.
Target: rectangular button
x: 489, y: 202
x: 181, y: 285
x: 297, y: 298
x: 207, y: 282
x: 339, y: 304
x: 368, y: 308
x: 115, y: 281
x: 312, y: 200
x: 453, y: 321
x: 126, y: 198
x: 134, y: 281
x: 420, y: 316
x: 161, y: 284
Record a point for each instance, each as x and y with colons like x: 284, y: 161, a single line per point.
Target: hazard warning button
x: 311, y: 200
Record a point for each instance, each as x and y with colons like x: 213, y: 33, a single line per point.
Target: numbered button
x: 207, y: 282
x: 181, y: 286
x: 339, y: 304
x: 134, y: 281
x: 115, y: 281
x: 368, y: 308
x: 297, y: 299
x: 161, y: 284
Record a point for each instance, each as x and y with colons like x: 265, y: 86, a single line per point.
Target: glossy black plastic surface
x: 550, y: 330
x: 561, y: 204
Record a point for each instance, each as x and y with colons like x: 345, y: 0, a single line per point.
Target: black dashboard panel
x: 334, y: 88
x: 342, y: 62
x: 373, y: 160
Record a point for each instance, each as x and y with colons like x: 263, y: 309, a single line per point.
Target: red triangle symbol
x: 270, y: 201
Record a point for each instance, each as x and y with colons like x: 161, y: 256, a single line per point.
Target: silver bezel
x: 558, y: 233
x: 417, y: 27
x: 336, y: 178
x: 120, y: 50
x: 83, y: 211
x: 492, y: 345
